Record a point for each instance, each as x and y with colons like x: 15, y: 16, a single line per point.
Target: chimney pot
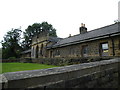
x: 82, y: 24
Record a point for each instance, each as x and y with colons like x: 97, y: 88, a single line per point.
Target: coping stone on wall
x: 56, y: 71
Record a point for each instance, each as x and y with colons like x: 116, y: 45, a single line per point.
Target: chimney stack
x: 82, y: 29
x: 69, y: 35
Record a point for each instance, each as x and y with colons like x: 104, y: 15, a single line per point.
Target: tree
x: 49, y: 28
x: 0, y: 53
x: 36, y: 29
x: 11, y: 44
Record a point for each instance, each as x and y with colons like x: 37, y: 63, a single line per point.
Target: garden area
x: 13, y: 67
x: 43, y: 63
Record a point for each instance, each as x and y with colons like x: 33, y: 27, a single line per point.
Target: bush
x: 69, y: 60
x: 12, y: 58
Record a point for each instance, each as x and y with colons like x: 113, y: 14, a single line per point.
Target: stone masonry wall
x: 100, y: 74
x: 65, y: 61
x: 93, y: 48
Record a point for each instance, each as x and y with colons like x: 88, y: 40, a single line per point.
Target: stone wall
x: 58, y: 61
x: 23, y: 60
x: 100, y: 74
x: 67, y: 61
x: 94, y: 48
x: 75, y: 49
x: 38, y: 44
x: 10, y: 60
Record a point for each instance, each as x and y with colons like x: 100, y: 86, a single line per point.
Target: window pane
x: 85, y: 49
x: 105, y: 46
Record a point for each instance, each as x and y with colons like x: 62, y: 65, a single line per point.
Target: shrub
x: 69, y: 60
x: 12, y: 58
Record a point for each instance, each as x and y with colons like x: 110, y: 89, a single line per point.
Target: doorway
x: 36, y: 54
x: 51, y: 54
x: 41, y: 50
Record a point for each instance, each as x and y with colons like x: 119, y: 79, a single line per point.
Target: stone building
x: 40, y: 44
x: 26, y: 54
x: 104, y: 41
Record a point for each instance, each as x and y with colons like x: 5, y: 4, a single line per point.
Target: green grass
x: 13, y: 67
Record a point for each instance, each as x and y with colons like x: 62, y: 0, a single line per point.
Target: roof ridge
x: 91, y: 31
x: 102, y: 27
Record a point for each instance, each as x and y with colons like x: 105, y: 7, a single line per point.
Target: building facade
x: 103, y: 41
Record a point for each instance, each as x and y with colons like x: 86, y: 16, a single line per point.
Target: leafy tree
x: 0, y: 53
x: 49, y: 28
x: 11, y: 44
x: 36, y: 29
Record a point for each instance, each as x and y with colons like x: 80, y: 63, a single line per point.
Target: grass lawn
x: 13, y: 67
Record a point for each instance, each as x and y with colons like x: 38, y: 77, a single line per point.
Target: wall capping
x: 26, y: 79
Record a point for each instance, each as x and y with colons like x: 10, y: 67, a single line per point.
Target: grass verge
x: 13, y: 67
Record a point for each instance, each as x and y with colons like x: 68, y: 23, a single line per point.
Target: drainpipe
x: 113, y: 48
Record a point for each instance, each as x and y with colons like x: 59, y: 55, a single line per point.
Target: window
x: 71, y: 51
x: 85, y: 51
x: 57, y: 52
x: 105, y: 46
x: 104, y: 49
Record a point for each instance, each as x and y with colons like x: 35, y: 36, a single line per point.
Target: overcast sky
x: 66, y: 16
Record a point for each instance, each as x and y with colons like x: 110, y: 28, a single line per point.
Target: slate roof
x: 27, y: 51
x: 54, y: 39
x: 90, y: 35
